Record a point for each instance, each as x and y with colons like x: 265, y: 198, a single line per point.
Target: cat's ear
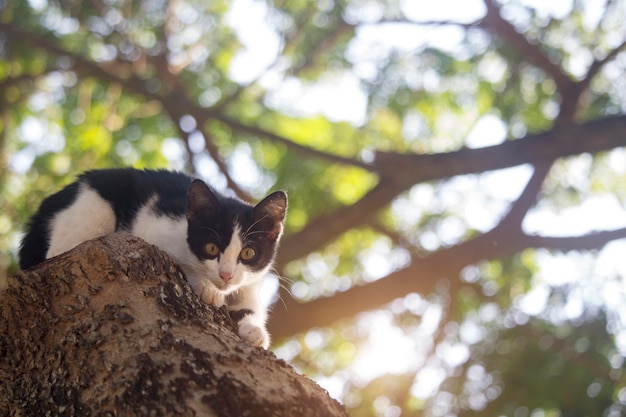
x: 269, y: 214
x: 201, y: 201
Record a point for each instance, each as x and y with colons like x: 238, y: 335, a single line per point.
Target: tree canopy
x: 455, y: 173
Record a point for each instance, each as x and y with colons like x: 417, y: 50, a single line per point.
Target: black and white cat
x: 225, y: 246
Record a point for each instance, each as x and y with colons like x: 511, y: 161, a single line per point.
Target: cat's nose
x: 226, y: 276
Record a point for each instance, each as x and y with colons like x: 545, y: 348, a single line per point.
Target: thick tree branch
x: 422, y: 276
x: 113, y: 328
x: 591, y: 137
x: 324, y: 229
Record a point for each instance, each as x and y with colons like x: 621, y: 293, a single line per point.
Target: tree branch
x: 122, y: 73
x: 422, y: 276
x: 512, y: 222
x: 597, y: 65
x: 535, y: 149
x: 432, y: 23
x: 294, y: 146
x: 324, y: 229
x: 113, y: 328
x: 179, y: 105
x: 590, y: 241
x: 494, y: 22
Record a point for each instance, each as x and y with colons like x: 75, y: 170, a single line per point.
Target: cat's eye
x: 211, y: 249
x: 247, y: 254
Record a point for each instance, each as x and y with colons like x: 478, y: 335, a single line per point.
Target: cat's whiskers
x: 282, y: 283
x: 247, y: 232
x: 245, y: 238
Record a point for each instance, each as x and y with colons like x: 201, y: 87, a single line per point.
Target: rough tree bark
x: 112, y: 328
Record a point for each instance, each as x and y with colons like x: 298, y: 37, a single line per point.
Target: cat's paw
x: 209, y: 295
x: 253, y: 334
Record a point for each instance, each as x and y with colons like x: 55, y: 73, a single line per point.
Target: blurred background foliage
x: 409, y: 287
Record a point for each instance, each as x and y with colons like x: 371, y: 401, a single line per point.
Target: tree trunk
x: 112, y: 328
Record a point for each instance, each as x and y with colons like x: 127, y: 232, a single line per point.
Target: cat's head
x: 235, y: 242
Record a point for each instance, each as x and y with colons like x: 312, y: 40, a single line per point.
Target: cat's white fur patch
x: 229, y: 260
x: 169, y: 234
x: 89, y: 217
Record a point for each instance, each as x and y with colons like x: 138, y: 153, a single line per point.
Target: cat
x: 224, y: 245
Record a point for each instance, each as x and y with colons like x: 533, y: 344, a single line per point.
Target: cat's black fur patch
x: 36, y: 241
x: 237, y: 315
x: 128, y: 189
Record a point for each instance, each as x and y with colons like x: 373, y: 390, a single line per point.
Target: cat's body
x: 225, y: 246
